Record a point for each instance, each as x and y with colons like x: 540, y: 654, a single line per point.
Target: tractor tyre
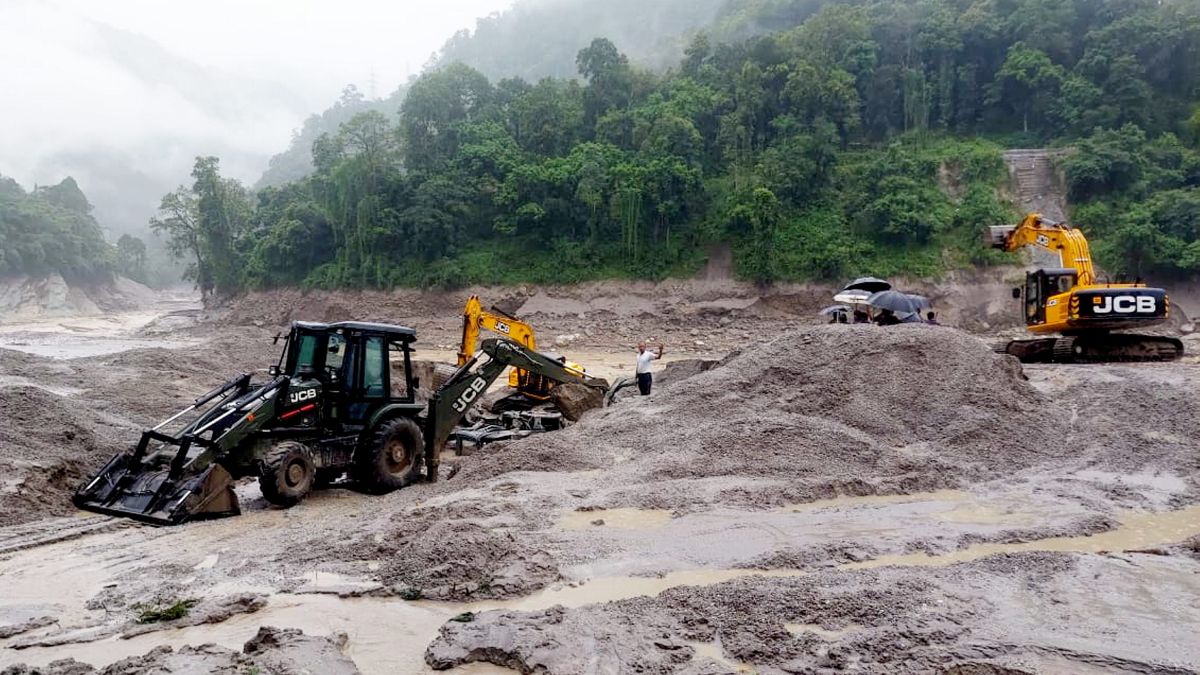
x: 391, y: 456
x: 286, y: 473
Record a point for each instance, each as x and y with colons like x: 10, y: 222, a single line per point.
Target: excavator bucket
x: 129, y: 488
x: 997, y: 236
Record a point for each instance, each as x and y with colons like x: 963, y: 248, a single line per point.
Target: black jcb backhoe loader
x: 334, y: 405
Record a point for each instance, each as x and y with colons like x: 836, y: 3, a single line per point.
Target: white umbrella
x: 852, y: 297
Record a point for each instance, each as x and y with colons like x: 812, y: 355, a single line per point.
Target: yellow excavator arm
x: 476, y: 319
x: 1037, y: 231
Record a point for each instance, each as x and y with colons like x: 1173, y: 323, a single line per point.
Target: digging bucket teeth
x: 129, y: 488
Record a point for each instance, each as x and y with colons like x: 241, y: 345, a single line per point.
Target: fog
x: 123, y: 94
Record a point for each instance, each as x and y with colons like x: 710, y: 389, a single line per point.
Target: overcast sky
x: 127, y: 91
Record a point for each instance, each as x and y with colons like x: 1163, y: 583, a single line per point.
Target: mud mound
x: 454, y: 560
x: 147, y: 385
x: 825, y: 408
x: 275, y: 651
x: 866, y: 621
x: 39, y: 425
x: 49, y: 444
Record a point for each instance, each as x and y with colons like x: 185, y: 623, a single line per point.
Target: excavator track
x: 1100, y: 348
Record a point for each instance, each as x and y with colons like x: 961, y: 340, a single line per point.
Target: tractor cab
x: 341, y: 374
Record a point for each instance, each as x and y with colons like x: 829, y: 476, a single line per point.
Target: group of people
x: 885, y: 317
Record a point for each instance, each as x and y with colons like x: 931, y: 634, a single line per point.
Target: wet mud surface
x: 821, y: 499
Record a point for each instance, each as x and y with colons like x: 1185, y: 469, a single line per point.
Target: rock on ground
x: 574, y: 399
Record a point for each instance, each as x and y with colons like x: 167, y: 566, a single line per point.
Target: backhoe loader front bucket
x: 143, y: 491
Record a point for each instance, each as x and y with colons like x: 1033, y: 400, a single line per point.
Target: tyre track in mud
x: 44, y: 532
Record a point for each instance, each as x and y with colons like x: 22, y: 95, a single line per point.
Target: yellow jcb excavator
x: 1071, y: 301
x: 530, y: 389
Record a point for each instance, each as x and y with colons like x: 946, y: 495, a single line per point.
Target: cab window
x: 335, y: 354
x: 306, y: 351
x: 374, y: 382
x: 1033, y: 296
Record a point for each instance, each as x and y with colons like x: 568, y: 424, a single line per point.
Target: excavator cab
x: 1042, y: 290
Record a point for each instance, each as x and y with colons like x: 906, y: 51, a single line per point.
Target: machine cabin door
x: 1035, y: 302
x: 1042, y: 285
x: 367, y: 385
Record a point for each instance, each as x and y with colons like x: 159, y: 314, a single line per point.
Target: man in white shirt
x: 644, y: 378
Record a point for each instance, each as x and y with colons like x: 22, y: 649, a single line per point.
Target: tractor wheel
x: 287, y: 473
x: 391, y: 457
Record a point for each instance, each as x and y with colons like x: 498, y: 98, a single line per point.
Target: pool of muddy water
x: 90, y: 336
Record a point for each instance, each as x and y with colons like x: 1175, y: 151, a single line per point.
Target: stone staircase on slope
x: 1035, y: 183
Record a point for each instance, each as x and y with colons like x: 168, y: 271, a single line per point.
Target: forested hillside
x: 296, y: 162
x: 50, y: 230
x: 864, y: 138
x: 540, y: 38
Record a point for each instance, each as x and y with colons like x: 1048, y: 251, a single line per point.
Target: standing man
x: 644, y: 378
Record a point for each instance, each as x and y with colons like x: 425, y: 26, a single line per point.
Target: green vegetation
x: 849, y: 138
x: 1138, y: 198
x: 164, y: 612
x: 51, y: 230
x: 296, y: 162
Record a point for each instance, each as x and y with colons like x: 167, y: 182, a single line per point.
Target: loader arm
x: 1034, y: 230
x: 174, y: 483
x: 450, y: 403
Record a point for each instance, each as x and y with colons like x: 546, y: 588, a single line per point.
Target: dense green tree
x: 51, y: 231
x: 131, y: 257
x: 609, y: 78
x: 177, y: 223
x: 436, y: 104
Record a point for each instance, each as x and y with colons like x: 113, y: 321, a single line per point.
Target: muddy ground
x: 824, y: 499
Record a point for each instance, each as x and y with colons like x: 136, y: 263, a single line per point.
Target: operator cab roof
x: 403, y: 333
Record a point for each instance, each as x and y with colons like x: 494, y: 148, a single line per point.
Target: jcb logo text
x: 303, y: 395
x: 472, y: 392
x: 1125, y: 304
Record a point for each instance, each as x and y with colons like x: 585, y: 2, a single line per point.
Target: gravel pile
x: 821, y: 410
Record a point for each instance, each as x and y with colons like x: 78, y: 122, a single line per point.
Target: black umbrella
x: 897, y: 302
x: 922, y: 301
x: 834, y: 309
x: 868, y: 284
